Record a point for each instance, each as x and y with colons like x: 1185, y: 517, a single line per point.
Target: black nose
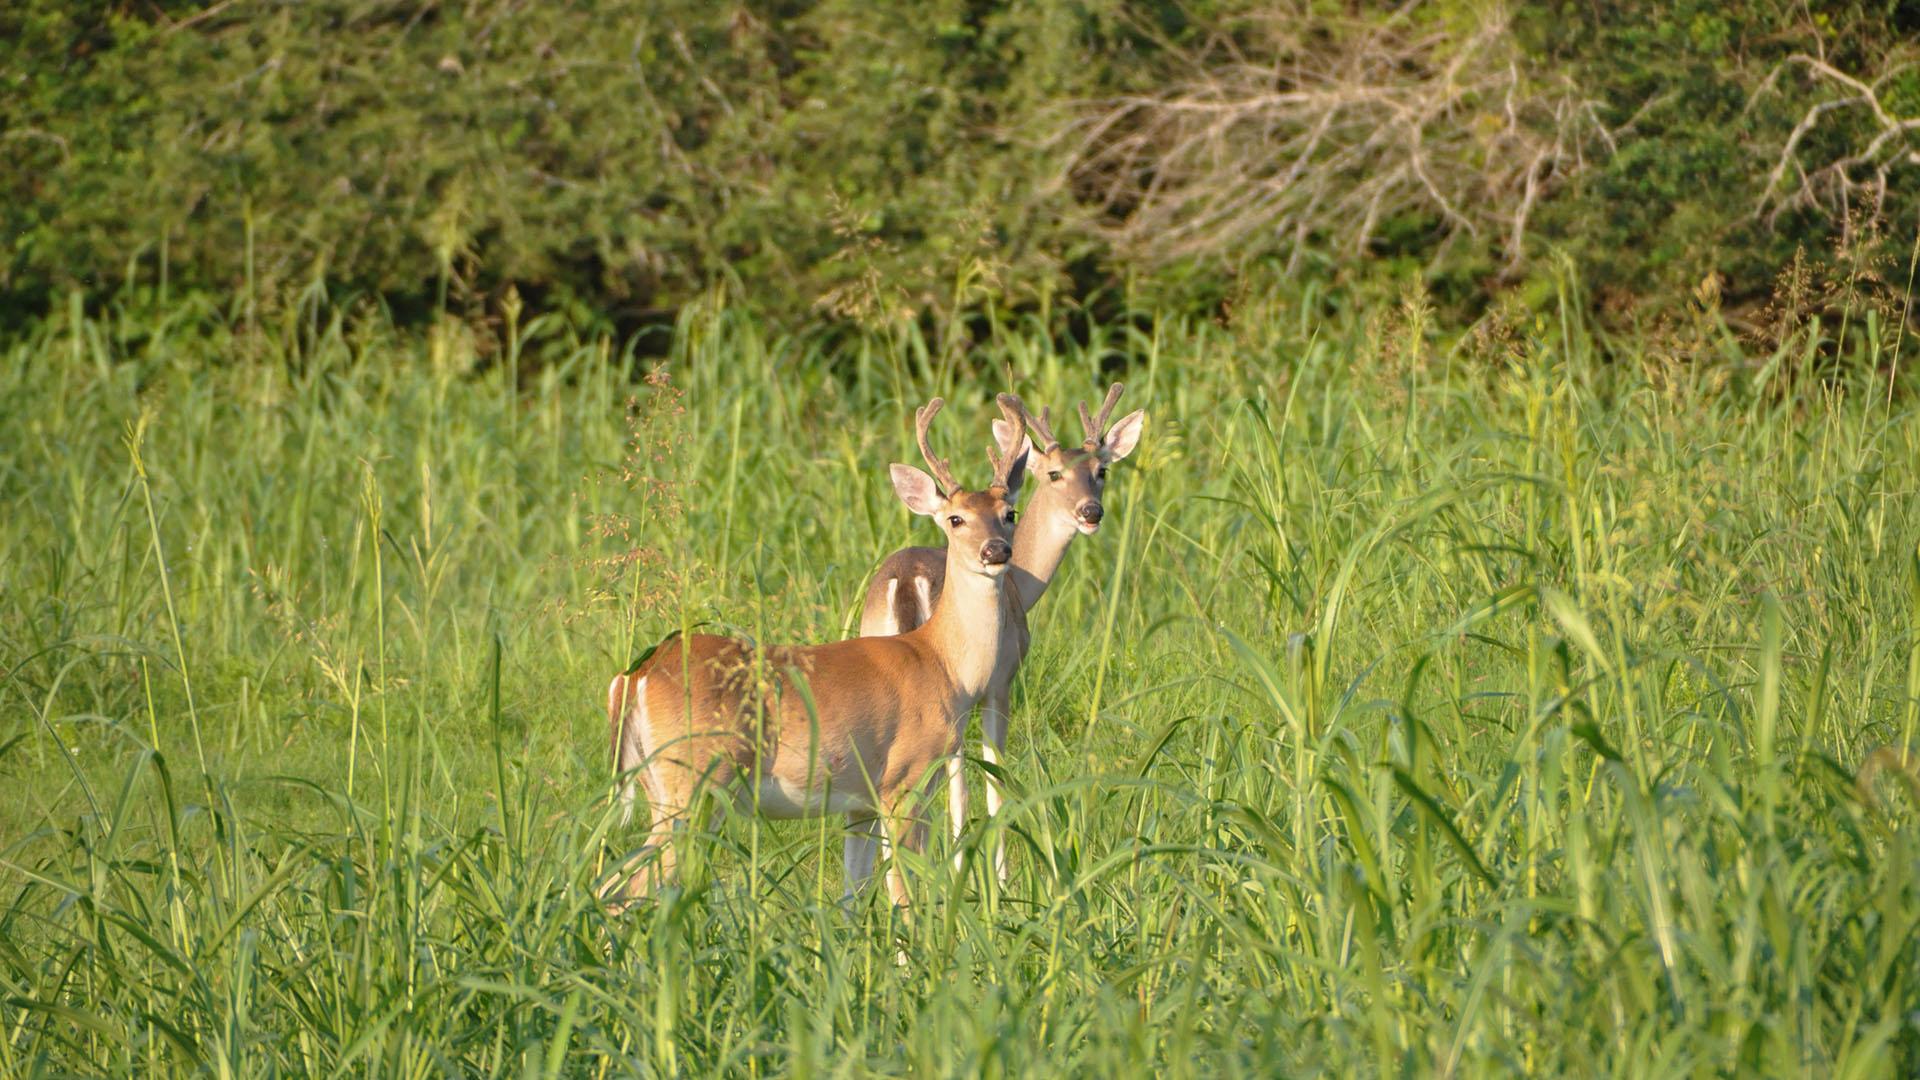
x: 1091, y: 513
x: 995, y: 551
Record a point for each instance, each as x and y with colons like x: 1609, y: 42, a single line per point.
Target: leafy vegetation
x: 1503, y: 655
x: 943, y: 164
x: 1430, y: 706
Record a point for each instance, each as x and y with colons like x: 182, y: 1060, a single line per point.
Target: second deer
x: 1066, y: 503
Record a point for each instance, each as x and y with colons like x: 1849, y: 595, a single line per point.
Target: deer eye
x: 1012, y: 517
x: 955, y: 521
x: 1054, y: 475
x: 1102, y: 474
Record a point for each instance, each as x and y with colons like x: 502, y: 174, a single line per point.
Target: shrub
x: 895, y: 162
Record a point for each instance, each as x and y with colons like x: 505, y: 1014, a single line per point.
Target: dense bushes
x: 1706, y: 177
x: 842, y: 159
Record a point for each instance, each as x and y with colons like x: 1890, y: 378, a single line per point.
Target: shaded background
x: 940, y: 165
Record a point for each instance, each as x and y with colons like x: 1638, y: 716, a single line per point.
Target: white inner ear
x: 1124, y: 436
x: 916, y: 489
x: 999, y: 433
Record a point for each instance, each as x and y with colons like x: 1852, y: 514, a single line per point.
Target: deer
x: 850, y: 727
x: 1066, y: 503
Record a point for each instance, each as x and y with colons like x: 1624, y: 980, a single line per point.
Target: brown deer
x: 1065, y: 504
x: 849, y: 727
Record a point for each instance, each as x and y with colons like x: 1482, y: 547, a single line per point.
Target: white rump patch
x: 893, y: 614
x: 923, y: 589
x: 646, y: 755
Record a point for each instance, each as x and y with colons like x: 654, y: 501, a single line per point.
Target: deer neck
x: 966, y: 625
x: 1039, y: 543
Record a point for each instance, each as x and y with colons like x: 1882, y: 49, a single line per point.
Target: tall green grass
x: 1471, y: 709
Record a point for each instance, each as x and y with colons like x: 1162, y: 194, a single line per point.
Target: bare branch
x: 1317, y: 127
x: 1834, y: 187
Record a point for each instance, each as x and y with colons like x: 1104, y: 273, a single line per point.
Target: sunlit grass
x: 1475, y: 710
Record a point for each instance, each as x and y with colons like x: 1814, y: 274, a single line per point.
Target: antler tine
x: 1042, y: 425
x: 1002, y: 462
x: 942, y: 472
x: 1097, y: 426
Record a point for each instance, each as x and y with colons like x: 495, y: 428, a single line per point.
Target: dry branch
x: 1316, y: 128
x: 1836, y: 187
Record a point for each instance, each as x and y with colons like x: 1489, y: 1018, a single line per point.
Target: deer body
x: 1066, y: 504
x: 882, y: 709
x: 847, y: 727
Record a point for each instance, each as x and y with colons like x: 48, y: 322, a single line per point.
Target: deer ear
x: 1123, y: 436
x: 1017, y: 473
x: 1000, y: 437
x: 916, y: 489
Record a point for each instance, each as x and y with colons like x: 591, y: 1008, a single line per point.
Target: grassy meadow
x: 1427, y: 707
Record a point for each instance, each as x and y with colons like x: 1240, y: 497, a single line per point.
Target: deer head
x: 978, y: 524
x: 1072, y: 479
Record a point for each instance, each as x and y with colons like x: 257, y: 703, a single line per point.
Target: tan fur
x: 891, y: 606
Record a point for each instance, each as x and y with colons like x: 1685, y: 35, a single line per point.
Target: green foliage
x: 883, y: 163
x: 1704, y: 98
x: 625, y: 151
x: 1478, y: 711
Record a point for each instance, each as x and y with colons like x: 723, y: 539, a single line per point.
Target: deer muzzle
x: 995, y: 552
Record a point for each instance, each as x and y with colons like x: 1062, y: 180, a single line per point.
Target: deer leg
x: 905, y: 826
x: 993, y: 739
x: 675, y: 789
x: 957, y: 802
x: 660, y: 840
x: 633, y: 766
x: 653, y: 865
x: 896, y: 881
x: 858, y: 853
x: 957, y: 796
x: 897, y: 832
